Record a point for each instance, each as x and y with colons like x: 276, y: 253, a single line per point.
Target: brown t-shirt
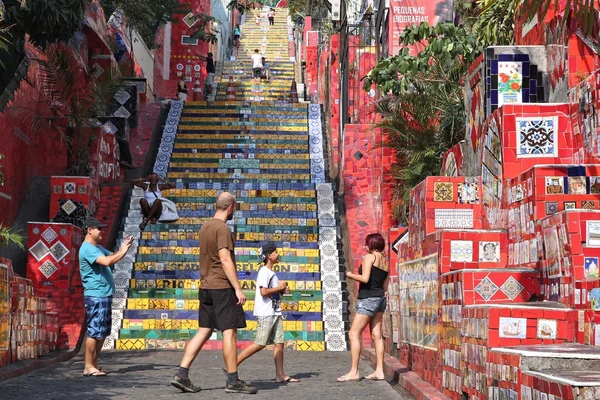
x: 214, y: 235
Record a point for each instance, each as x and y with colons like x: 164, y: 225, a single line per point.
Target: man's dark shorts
x: 256, y: 72
x: 99, y: 316
x: 219, y: 310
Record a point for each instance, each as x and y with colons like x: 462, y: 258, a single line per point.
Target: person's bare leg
x: 247, y: 352
x: 280, y: 375
x: 194, y: 346
x: 155, y: 210
x: 377, y: 337
x: 230, y: 350
x: 356, y: 330
x: 145, y: 207
x: 99, y: 344
x: 90, y: 350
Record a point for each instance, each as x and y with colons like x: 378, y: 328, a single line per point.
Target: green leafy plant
x: 243, y: 5
x: 7, y: 235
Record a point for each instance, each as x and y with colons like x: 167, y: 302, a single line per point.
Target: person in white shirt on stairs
x: 267, y: 309
x: 256, y: 65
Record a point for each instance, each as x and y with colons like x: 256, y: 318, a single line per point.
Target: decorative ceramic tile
x: 546, y: 329
x: 461, y: 251
x: 591, y: 267
x: 489, y: 252
x: 335, y: 341
x: 588, y: 205
x: 551, y: 207
x: 593, y: 234
x: 82, y: 189
x: 59, y: 251
x: 486, y: 288
x: 443, y: 191
x: 555, y: 185
x: 69, y: 187
x: 453, y: 219
x: 577, y: 185
x: 468, y: 193
x: 536, y: 137
x: 68, y: 207
x: 49, y: 235
x: 39, y: 250
x: 510, y: 82
x: 58, y: 189
x: 594, y: 184
x: 511, y: 288
x: 513, y: 328
x: 122, y: 96
x: 569, y: 205
x: 48, y: 268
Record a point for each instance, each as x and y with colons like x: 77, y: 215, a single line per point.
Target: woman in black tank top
x: 373, y: 277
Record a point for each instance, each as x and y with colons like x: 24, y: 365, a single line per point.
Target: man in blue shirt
x: 98, y: 288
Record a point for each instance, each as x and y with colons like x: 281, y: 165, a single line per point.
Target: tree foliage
x: 45, y: 21
x: 243, y: 5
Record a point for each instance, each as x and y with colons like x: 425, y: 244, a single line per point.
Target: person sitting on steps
x: 265, y: 71
x: 155, y: 208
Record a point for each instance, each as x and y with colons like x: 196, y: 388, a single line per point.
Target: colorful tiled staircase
x: 272, y: 42
x: 270, y: 155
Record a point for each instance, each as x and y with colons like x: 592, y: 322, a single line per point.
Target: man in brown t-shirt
x: 221, y: 299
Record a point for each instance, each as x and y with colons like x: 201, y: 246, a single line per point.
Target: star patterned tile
x: 59, y: 251
x: 49, y: 235
x: 511, y: 288
x: 443, y: 191
x: 69, y: 187
x: 48, y: 269
x: 68, y: 207
x: 486, y: 288
x: 537, y: 137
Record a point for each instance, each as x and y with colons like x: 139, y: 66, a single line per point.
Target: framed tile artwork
x: 515, y: 328
x: 593, y: 234
x: 551, y: 207
x: 588, y: 205
x: 555, y: 185
x: 591, y: 267
x: 577, y: 185
x: 537, y: 137
x: 461, y: 251
x: 489, y: 251
x: 443, y: 191
x: 594, y: 184
x: 468, y: 193
x: 546, y: 329
x: 569, y: 205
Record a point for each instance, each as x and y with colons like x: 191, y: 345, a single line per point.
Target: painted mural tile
x: 461, y: 251
x: 513, y: 328
x: 551, y: 207
x: 588, y: 205
x: 569, y: 205
x: 591, y: 267
x: 443, y: 191
x: 577, y: 185
x: 555, y: 185
x: 593, y: 234
x: 511, y: 288
x: 487, y: 288
x: 510, y: 82
x: 489, y: 251
x: 468, y: 193
x: 537, y: 137
x: 546, y: 329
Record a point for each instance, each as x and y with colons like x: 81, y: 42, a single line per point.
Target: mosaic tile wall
x: 270, y: 155
x: 515, y: 250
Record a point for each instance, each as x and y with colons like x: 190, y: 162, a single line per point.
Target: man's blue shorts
x: 99, y: 316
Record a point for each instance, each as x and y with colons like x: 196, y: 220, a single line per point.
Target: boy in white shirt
x: 256, y: 65
x: 267, y: 309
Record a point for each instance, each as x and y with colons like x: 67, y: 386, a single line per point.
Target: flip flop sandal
x: 289, y: 379
x: 343, y: 379
x: 96, y: 373
x: 373, y: 378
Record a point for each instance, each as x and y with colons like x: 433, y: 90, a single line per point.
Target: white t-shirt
x: 263, y: 305
x: 256, y: 60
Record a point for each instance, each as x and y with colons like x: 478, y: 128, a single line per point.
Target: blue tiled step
x: 235, y: 188
x: 255, y: 114
x: 168, y: 257
x: 262, y: 161
x: 181, y: 228
x: 193, y: 314
x: 237, y: 150
x: 241, y: 122
x: 215, y: 156
x: 195, y: 243
x: 241, y: 170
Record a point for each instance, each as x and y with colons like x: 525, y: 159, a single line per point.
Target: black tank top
x: 374, y: 286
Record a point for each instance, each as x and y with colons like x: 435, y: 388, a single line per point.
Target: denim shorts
x: 370, y: 306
